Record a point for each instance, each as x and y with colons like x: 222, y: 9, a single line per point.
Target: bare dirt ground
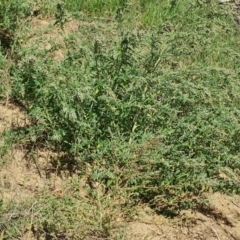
x: 23, y: 174
x: 219, y: 220
x: 20, y: 179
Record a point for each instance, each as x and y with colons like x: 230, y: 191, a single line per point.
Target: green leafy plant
x: 153, y: 113
x: 11, y: 12
x: 60, y: 15
x: 98, y: 97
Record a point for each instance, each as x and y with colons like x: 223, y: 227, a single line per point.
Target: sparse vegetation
x: 143, y: 107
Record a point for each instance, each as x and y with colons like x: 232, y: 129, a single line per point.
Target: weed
x: 60, y: 16
x: 154, y: 113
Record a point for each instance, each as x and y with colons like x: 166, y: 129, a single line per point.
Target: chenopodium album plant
x: 176, y: 126
x: 12, y: 12
x: 82, y: 104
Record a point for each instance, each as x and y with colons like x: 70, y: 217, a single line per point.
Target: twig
x: 216, y: 234
x: 35, y: 161
x: 224, y: 1
x: 235, y: 204
x: 157, y: 232
x: 37, y: 165
x: 10, y: 217
x: 2, y: 234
